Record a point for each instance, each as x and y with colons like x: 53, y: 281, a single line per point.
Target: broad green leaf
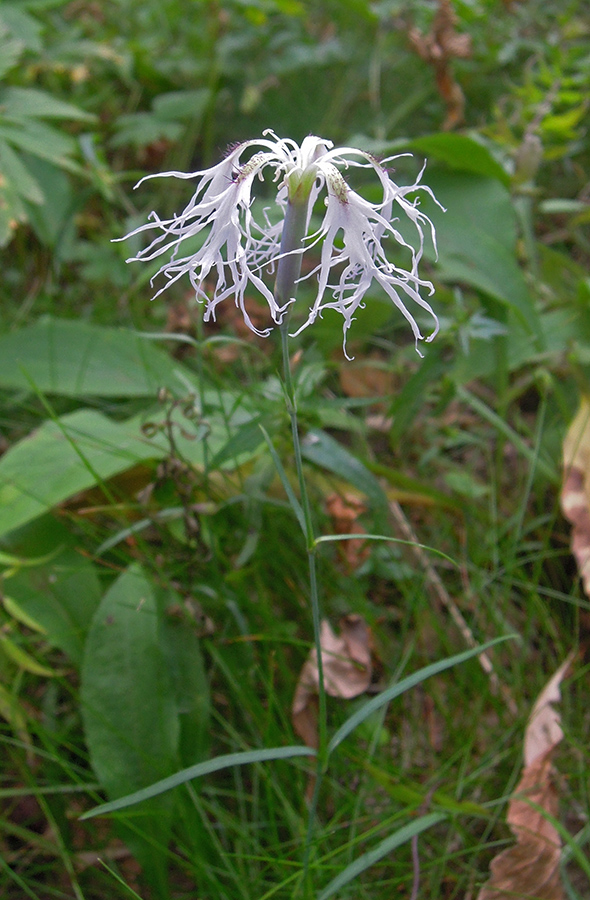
x: 382, y: 849
x: 16, y: 173
x: 54, y: 220
x: 85, y: 448
x: 212, y: 765
x: 477, y: 241
x: 129, y: 710
x: 22, y: 26
x: 128, y: 704
x: 182, y: 650
x: 169, y: 112
x: 10, y: 52
x: 63, y: 356
x: 561, y: 327
x: 61, y: 458
x: 60, y: 592
x: 142, y: 128
x: 461, y: 152
x: 41, y: 140
x: 20, y: 103
x: 405, y: 685
x: 182, y: 105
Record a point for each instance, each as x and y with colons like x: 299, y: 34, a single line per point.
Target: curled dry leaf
x: 543, y: 732
x: 530, y: 868
x: 439, y: 47
x: 346, y: 662
x: 344, y: 511
x: 575, y: 492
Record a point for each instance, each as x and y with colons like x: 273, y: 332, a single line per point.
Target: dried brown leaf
x: 344, y: 510
x: 575, y: 492
x: 346, y: 662
x: 438, y: 48
x: 371, y: 378
x: 530, y: 868
x: 543, y: 731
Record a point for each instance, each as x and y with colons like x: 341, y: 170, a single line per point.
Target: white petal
x: 240, y: 253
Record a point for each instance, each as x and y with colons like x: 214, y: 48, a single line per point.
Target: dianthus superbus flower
x: 240, y: 252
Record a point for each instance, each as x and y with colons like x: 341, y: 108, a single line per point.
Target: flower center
x: 299, y: 184
x: 336, y: 183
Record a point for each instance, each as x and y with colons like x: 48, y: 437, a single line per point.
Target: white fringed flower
x: 239, y: 252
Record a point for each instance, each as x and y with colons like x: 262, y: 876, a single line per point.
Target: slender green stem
x: 288, y: 272
x: 314, y: 595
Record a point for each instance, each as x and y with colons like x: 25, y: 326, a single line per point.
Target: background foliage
x: 154, y: 604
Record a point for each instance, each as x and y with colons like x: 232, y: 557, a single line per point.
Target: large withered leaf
x: 529, y: 870
x: 346, y: 662
x: 575, y: 493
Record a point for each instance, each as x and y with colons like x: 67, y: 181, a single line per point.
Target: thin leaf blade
x: 405, y: 685
x: 198, y: 771
x: 377, y: 853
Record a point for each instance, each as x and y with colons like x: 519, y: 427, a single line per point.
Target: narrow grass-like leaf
x: 327, y: 538
x: 572, y: 848
x: 482, y: 409
x: 129, y: 890
x: 163, y: 515
x: 408, y: 793
x: 382, y: 849
x: 50, y: 789
x: 24, y: 660
x: 12, y: 712
x: 321, y: 449
x: 405, y: 685
x: 14, y: 611
x: 245, y: 440
x: 295, y: 505
x: 20, y: 562
x: 197, y: 771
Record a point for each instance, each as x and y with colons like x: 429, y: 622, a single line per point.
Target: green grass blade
x: 530, y: 454
x: 197, y: 771
x: 572, y: 848
x: 405, y: 685
x: 387, y: 538
x: 295, y: 504
x: 382, y: 849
